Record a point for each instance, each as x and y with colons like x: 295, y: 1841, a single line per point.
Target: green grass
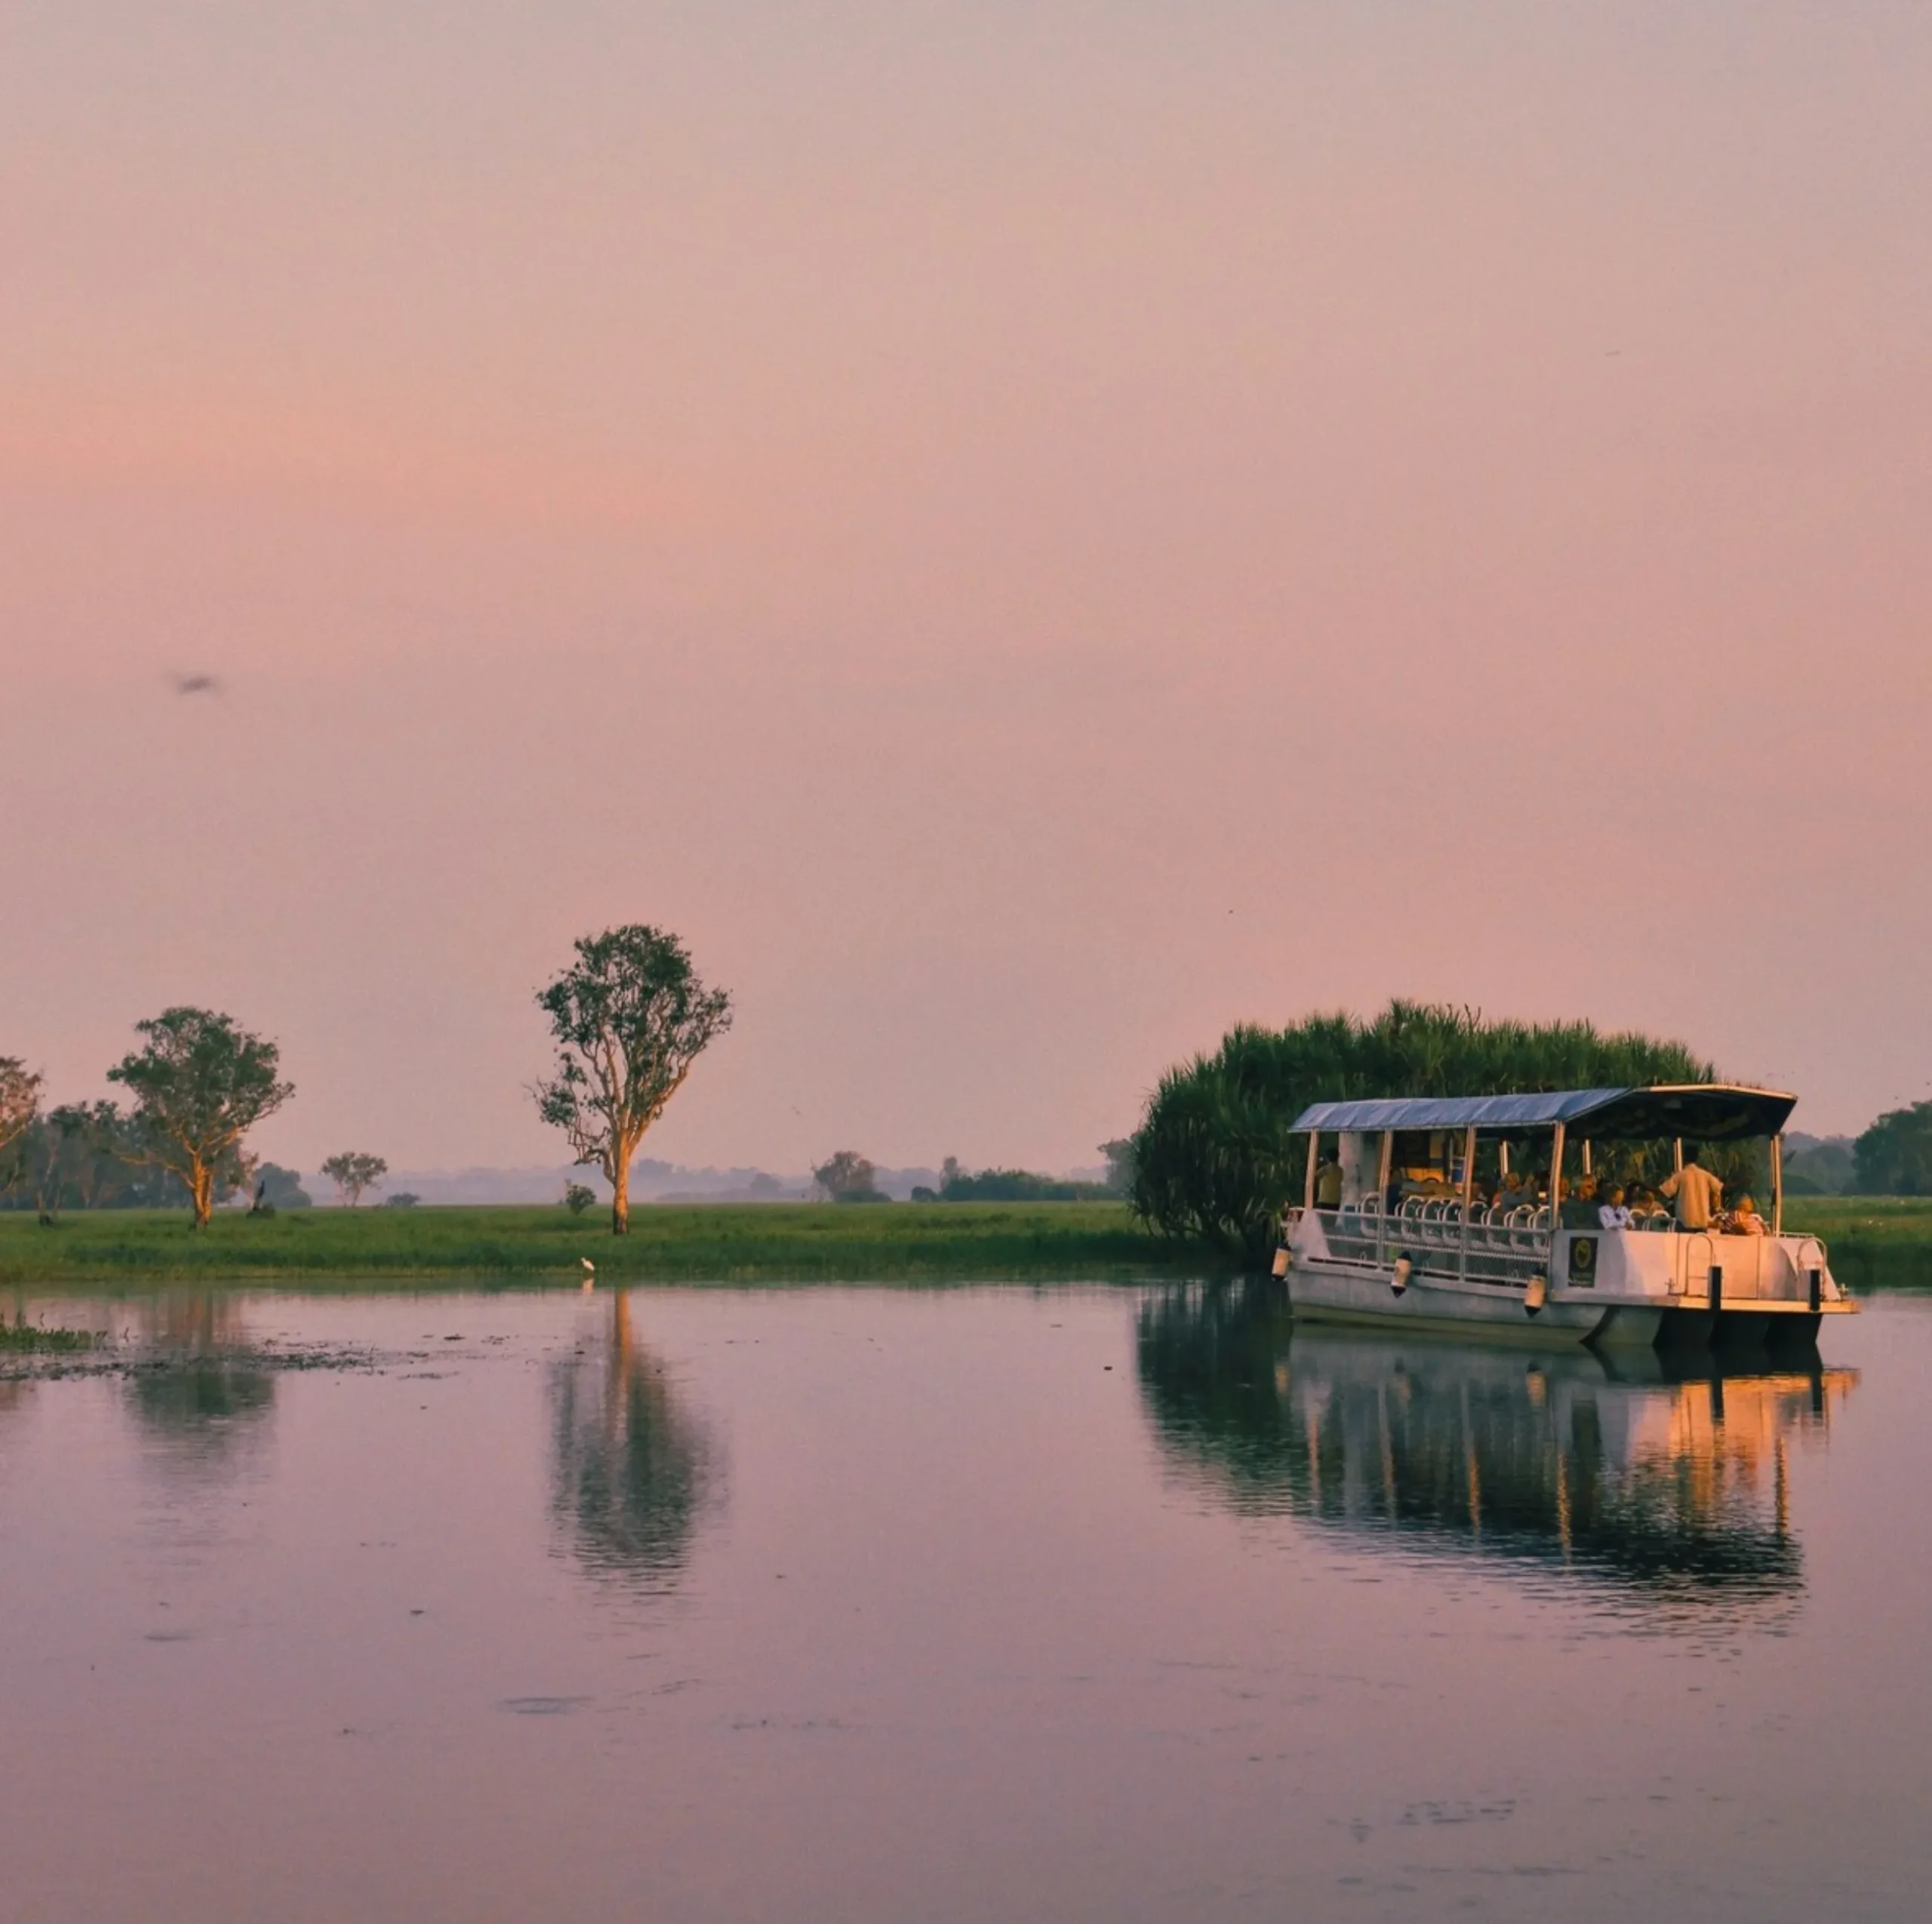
x: 1874, y: 1241
x: 21, y: 1338
x: 767, y: 1243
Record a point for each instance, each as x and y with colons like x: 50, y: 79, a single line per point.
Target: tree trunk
x: 200, y: 1188
x: 620, y: 1196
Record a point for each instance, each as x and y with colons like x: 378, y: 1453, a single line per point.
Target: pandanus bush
x: 1215, y: 1158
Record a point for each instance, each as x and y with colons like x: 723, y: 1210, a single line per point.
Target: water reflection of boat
x: 1664, y: 1477
x: 633, y: 1466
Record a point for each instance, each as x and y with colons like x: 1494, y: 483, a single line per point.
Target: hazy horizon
x: 1025, y: 535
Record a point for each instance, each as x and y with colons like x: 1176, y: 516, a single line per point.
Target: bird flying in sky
x: 196, y: 684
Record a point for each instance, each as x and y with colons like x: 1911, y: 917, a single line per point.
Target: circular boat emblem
x: 1583, y: 1258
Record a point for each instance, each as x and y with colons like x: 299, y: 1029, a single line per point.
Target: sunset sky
x: 1026, y: 534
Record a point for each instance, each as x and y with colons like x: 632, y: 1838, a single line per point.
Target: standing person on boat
x: 1695, y: 1191
x: 1328, y: 1184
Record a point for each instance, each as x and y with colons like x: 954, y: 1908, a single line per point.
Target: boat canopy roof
x: 1706, y: 1112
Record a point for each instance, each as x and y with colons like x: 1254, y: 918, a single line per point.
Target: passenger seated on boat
x: 1514, y: 1193
x: 1644, y: 1207
x: 1613, y: 1213
x: 1578, y: 1211
x: 1745, y: 1220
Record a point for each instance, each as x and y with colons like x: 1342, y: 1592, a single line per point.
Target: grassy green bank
x: 1875, y: 1242
x: 768, y: 1243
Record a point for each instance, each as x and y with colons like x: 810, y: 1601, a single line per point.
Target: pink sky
x: 1026, y: 534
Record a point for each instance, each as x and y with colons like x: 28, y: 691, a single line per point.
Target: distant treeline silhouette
x: 848, y: 1177
x: 87, y: 1155
x: 1013, y: 1186
x: 1214, y: 1159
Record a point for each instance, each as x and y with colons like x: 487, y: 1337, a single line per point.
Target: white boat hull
x: 1321, y: 1293
x: 1627, y: 1289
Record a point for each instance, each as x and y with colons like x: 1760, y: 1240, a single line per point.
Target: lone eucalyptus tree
x: 353, y: 1171
x: 199, y: 1085
x: 630, y: 1016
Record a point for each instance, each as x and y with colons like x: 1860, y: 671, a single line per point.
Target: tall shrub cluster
x: 1214, y: 1159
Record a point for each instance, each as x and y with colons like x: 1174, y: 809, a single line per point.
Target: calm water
x: 887, y: 1606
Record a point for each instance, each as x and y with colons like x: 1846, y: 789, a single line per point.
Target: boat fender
x: 1282, y: 1260
x: 1399, y: 1279
x: 1536, y: 1295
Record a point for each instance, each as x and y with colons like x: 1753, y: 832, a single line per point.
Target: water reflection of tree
x: 1674, y: 1487
x: 195, y: 1383
x: 1208, y: 1359
x: 634, y: 1468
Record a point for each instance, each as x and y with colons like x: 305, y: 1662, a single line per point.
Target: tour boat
x: 1402, y: 1232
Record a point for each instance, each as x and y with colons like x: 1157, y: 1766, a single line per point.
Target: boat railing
x: 1437, y: 1234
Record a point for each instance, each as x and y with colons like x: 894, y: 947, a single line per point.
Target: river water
x: 888, y: 1604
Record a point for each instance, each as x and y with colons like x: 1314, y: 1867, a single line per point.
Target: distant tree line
x: 1815, y: 1165
x: 197, y: 1084
x: 73, y: 1158
x: 630, y: 1016
x: 1009, y: 1186
x: 1894, y: 1157
x: 848, y: 1177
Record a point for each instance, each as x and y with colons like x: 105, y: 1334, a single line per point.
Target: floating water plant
x: 22, y: 1337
